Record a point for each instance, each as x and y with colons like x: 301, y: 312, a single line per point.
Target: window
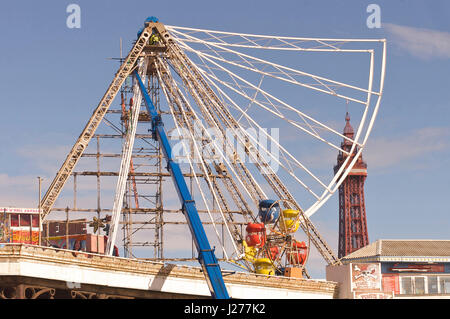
x: 433, y: 285
x: 15, y: 220
x: 35, y: 221
x: 419, y: 285
x: 406, y: 287
x: 354, y: 242
x: 445, y: 285
x: 25, y: 220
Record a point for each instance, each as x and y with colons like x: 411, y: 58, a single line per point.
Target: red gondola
x: 297, y: 253
x: 256, y: 234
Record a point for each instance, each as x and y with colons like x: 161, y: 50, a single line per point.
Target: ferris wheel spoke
x: 282, y: 103
x: 290, y: 172
x: 281, y: 69
x: 228, y: 163
x: 273, y: 157
x: 212, y: 188
x: 281, y: 116
x: 214, y: 122
x: 310, y: 44
x: 278, y: 67
x: 265, y: 165
x: 277, y: 111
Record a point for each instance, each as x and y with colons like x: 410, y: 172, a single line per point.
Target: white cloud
x: 19, y: 191
x: 386, y: 152
x: 420, y: 42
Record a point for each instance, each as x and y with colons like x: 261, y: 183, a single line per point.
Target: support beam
x: 206, y: 257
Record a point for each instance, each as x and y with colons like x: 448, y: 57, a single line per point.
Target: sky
x: 53, y: 77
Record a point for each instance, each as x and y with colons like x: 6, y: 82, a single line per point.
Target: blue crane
x: 206, y: 256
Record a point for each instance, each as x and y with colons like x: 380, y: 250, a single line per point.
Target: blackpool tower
x: 352, y: 211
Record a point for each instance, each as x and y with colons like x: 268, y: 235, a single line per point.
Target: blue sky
x: 52, y: 78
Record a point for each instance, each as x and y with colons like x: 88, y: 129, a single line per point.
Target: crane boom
x: 207, y: 258
x: 88, y: 132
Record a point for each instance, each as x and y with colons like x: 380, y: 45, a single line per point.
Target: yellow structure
x: 289, y: 221
x: 264, y: 266
x: 250, y: 252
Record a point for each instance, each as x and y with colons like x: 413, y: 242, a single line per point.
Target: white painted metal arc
x: 171, y: 27
x: 279, y: 101
x: 327, y: 192
x: 318, y: 204
x: 259, y: 86
x: 280, y: 68
x: 290, y: 155
x: 264, y: 149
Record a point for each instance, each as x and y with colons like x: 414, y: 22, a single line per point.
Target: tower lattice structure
x: 353, y: 233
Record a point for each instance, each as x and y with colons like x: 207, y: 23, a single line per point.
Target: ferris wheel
x: 257, y: 122
x: 283, y: 99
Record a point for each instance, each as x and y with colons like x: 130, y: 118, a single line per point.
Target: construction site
x: 191, y: 178
x: 190, y: 160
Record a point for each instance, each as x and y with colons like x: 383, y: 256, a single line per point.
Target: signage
x: 366, y: 277
x: 372, y: 295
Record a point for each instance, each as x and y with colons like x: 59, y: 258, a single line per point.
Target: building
x: 395, y: 269
x: 353, y: 233
x: 19, y: 225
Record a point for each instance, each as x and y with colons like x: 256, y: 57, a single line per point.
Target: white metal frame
x: 217, y: 42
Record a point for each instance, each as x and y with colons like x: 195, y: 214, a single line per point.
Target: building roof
x: 402, y: 250
x: 348, y: 129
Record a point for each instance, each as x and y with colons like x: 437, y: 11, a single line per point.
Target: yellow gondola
x: 289, y: 221
x: 264, y: 266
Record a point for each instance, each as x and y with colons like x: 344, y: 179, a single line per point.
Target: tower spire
x: 353, y: 233
x: 348, y: 129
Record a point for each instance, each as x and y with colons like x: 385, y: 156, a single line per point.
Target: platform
x: 28, y: 271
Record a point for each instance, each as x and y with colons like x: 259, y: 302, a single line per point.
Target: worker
x: 154, y: 39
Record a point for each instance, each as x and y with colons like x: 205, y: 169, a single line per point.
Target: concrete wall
x: 342, y: 275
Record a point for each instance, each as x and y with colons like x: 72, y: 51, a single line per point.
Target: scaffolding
x: 144, y: 216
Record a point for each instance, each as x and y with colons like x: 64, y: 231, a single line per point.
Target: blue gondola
x: 266, y: 214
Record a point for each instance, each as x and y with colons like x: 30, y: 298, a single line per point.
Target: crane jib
x: 206, y: 256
